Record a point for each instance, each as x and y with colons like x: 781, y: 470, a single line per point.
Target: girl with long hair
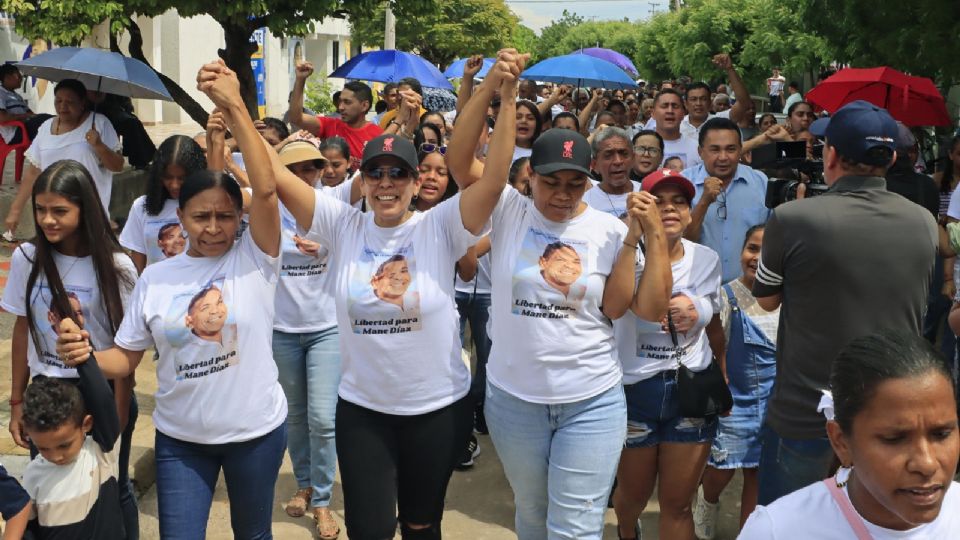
x: 74, y: 267
x: 152, y: 231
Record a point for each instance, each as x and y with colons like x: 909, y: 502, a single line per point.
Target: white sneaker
x: 705, y: 517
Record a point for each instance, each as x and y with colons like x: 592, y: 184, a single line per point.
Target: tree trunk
x: 237, y: 57
x: 180, y: 96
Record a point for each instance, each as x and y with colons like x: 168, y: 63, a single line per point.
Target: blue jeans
x: 309, y: 372
x: 560, y: 460
x: 187, y: 475
x: 474, y: 308
x: 787, y: 465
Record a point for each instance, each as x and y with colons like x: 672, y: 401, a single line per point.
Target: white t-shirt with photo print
x: 158, y: 237
x: 305, y: 291
x: 211, y: 319
x: 80, y: 282
x: 399, y: 328
x: 645, y: 348
x: 551, y: 342
x: 685, y: 148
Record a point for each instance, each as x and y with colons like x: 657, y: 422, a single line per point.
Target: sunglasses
x: 429, y: 148
x: 373, y: 176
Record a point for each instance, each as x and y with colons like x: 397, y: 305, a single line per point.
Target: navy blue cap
x: 857, y: 128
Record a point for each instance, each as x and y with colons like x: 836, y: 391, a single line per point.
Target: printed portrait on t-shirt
x: 550, y: 277
x: 383, y: 295
x: 683, y: 311
x: 164, y: 239
x: 170, y: 240
x: 301, y: 257
x: 79, y: 299
x: 202, y: 329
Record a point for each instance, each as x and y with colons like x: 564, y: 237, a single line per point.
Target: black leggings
x: 391, y: 462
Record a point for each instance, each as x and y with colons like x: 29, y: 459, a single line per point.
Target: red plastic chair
x: 20, y: 147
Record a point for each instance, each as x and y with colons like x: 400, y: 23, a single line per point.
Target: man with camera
x: 852, y: 261
x: 730, y: 195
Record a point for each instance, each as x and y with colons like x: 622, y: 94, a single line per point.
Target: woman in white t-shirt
x: 306, y: 348
x: 152, y: 232
x: 894, y: 430
x: 209, y: 311
x: 75, y: 268
x: 404, y: 412
x: 664, y: 448
x: 74, y: 133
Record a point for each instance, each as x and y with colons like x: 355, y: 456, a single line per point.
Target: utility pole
x: 390, y: 30
x: 654, y: 8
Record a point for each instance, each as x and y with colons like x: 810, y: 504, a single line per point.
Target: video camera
x: 790, y: 155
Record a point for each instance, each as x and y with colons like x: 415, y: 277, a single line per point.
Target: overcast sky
x: 538, y: 13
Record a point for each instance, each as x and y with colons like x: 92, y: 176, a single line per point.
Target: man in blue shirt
x: 730, y: 195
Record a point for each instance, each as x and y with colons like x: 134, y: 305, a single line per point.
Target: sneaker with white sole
x: 705, y: 517
x: 469, y: 454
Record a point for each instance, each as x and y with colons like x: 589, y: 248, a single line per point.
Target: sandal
x: 327, y: 527
x: 298, y: 504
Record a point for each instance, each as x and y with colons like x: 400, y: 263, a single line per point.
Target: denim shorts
x: 653, y: 415
x: 737, y: 445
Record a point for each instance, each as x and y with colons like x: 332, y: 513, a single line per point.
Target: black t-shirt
x: 919, y: 188
x: 851, y: 262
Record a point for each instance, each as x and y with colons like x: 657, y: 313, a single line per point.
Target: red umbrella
x: 915, y: 101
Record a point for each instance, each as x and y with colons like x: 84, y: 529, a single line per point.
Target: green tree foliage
x: 69, y: 21
x: 523, y: 39
x: 551, y: 38
x: 455, y: 29
x: 917, y: 36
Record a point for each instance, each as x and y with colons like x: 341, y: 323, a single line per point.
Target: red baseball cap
x: 669, y: 176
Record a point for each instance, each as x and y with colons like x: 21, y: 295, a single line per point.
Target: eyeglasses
x: 722, y: 205
x: 429, y: 148
x: 396, y: 174
x: 647, y: 150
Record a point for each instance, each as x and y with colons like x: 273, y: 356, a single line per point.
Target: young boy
x: 73, y: 482
x: 14, y: 506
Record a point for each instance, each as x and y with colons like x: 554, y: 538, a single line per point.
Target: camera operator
x: 852, y: 261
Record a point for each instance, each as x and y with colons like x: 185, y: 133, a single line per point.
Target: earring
x: 183, y: 234
x: 836, y: 477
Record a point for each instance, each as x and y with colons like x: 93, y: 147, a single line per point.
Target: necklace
x: 613, y: 207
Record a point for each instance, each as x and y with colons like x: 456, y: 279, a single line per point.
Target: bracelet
x: 393, y: 123
x: 634, y: 246
x: 15, y: 402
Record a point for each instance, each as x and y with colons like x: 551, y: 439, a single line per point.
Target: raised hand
x: 473, y: 66
x: 220, y: 84
x: 722, y: 61
x: 304, y: 70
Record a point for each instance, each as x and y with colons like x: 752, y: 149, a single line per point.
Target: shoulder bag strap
x: 851, y: 515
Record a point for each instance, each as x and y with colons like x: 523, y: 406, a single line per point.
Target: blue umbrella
x: 610, y: 55
x: 391, y: 66
x: 579, y: 70
x: 97, y: 69
x: 455, y: 71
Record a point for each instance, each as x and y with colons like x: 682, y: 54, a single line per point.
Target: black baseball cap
x: 390, y: 145
x: 560, y: 150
